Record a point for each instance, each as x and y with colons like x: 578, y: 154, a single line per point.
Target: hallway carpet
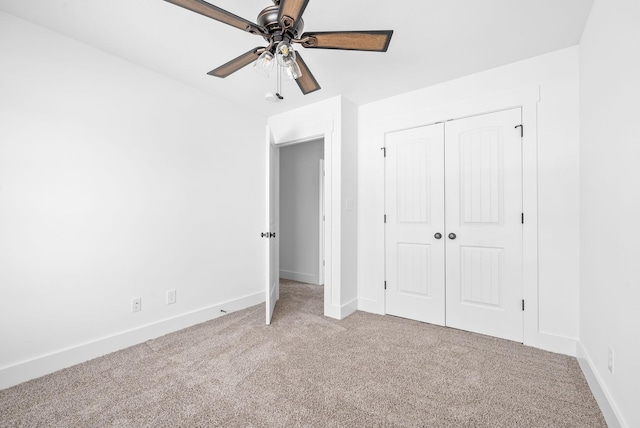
x: 308, y: 370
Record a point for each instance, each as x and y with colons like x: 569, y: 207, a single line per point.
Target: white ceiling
x: 434, y: 41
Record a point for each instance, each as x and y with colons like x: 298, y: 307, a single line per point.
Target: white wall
x: 115, y: 183
x: 557, y: 127
x: 300, y: 211
x: 610, y: 204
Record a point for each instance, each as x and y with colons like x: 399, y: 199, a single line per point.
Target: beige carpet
x: 308, y: 370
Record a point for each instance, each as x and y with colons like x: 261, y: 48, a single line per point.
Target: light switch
x: 348, y: 204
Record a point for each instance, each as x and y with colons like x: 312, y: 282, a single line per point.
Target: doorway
x: 332, y: 239
x: 453, y: 231
x: 302, y: 212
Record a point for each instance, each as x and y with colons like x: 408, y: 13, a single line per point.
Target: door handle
x: 452, y: 236
x: 438, y: 235
x: 272, y: 235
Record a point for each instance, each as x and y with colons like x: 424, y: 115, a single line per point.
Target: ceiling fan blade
x: 237, y: 63
x: 214, y: 12
x: 306, y: 82
x: 376, y: 41
x: 291, y: 11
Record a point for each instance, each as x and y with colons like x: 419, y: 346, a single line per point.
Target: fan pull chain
x: 279, y: 81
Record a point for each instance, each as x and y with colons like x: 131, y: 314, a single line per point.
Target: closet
x: 453, y: 224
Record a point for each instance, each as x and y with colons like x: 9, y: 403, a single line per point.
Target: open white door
x: 273, y: 222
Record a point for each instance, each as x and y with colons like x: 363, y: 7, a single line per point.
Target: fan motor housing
x: 268, y: 19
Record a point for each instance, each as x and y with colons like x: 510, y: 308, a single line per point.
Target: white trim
x: 610, y: 411
x: 552, y: 342
x: 341, y: 312
x: 307, y: 278
x: 332, y: 311
x: 348, y: 308
x: 369, y: 305
x: 321, y: 221
x: 49, y: 363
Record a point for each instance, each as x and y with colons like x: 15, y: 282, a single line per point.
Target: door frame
x: 527, y: 98
x: 331, y: 241
x: 321, y: 221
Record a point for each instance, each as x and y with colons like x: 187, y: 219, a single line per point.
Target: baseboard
x: 300, y: 277
x: 371, y: 306
x: 332, y: 312
x: 341, y: 312
x: 348, y: 308
x: 600, y: 392
x: 537, y: 339
x: 43, y: 365
x: 551, y: 342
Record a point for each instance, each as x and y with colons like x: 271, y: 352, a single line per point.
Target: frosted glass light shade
x: 286, y: 57
x: 292, y: 71
x: 285, y: 53
x: 264, y: 64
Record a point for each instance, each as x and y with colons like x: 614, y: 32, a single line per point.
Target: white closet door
x: 414, y: 199
x: 483, y: 164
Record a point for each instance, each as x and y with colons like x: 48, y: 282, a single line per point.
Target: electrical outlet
x: 610, y: 360
x: 136, y: 304
x: 171, y: 297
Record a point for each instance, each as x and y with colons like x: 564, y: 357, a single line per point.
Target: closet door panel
x: 414, y: 206
x: 483, y: 164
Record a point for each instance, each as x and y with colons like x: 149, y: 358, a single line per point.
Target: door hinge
x: 523, y: 304
x: 384, y: 151
x: 521, y: 130
x: 522, y: 218
x: 385, y: 218
x: 385, y: 285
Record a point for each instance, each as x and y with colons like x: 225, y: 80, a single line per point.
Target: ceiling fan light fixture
x: 264, y: 64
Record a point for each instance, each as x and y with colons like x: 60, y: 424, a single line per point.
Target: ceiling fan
x: 281, y: 25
